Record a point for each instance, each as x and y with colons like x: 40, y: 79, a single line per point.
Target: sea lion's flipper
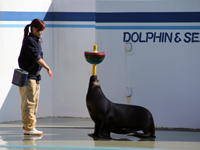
x: 96, y: 131
x: 105, y: 130
x: 142, y: 135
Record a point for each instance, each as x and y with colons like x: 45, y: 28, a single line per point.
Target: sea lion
x: 117, y: 118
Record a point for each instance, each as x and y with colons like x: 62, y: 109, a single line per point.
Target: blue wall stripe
x: 151, y: 17
x: 12, y: 25
x: 69, y: 26
x: 70, y: 16
x: 149, y: 27
x: 47, y: 16
x: 108, y: 27
x: 21, y: 16
x: 48, y: 26
x: 120, y: 17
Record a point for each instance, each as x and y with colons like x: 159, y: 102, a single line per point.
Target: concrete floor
x: 71, y: 133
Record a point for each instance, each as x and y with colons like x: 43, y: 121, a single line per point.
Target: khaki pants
x: 29, y: 103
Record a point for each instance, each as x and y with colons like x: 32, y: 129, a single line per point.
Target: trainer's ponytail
x: 37, y: 23
x: 26, y: 31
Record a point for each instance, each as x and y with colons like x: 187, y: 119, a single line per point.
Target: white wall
x: 164, y: 76
x: 10, y: 46
x: 64, y: 94
x: 71, y: 70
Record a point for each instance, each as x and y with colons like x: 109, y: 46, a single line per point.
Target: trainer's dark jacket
x: 31, y: 52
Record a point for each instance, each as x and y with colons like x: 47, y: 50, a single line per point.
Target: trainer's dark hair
x: 37, y: 23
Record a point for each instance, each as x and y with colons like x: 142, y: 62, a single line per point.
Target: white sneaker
x: 33, y: 132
